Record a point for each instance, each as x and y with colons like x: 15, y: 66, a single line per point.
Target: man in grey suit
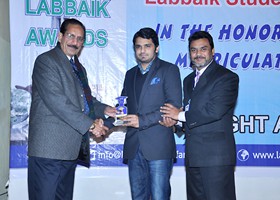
x: 210, y: 94
x: 149, y: 147
x: 63, y: 114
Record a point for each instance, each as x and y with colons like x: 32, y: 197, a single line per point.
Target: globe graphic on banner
x: 243, y: 155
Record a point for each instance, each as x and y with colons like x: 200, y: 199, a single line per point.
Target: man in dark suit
x: 209, y: 102
x: 149, y: 147
x: 63, y: 114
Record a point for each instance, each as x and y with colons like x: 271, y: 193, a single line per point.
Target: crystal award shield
x: 121, y: 110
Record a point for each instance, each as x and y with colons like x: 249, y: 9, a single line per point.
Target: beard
x: 201, y: 64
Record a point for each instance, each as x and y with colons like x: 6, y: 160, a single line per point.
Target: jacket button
x: 192, y: 124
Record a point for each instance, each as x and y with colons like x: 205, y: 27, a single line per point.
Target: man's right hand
x: 170, y: 111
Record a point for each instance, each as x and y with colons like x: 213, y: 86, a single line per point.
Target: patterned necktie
x: 78, y: 75
x: 84, y: 154
x: 196, y: 79
x: 73, y: 64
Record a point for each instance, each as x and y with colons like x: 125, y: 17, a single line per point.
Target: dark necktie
x: 84, y: 154
x: 73, y: 64
x: 78, y: 75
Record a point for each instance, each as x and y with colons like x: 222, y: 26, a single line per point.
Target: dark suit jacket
x: 57, y: 121
x: 209, y: 130
x: 162, y: 85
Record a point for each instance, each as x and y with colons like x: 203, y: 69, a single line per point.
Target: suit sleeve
x: 172, y: 89
x: 47, y: 81
x: 124, y: 93
x: 218, y: 101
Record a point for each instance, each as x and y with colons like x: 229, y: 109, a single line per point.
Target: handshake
x: 98, y: 128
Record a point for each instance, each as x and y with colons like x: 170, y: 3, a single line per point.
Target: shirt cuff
x: 181, y: 116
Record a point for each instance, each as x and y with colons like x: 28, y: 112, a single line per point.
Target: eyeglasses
x: 71, y: 36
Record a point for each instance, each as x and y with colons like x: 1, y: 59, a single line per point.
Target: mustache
x: 73, y: 46
x: 199, y: 57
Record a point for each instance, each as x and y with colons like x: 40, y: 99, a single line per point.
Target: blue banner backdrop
x: 246, y: 36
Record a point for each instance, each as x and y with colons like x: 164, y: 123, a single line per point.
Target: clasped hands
x: 97, y: 128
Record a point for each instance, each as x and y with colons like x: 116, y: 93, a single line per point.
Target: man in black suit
x: 62, y: 114
x: 210, y: 94
x: 149, y: 147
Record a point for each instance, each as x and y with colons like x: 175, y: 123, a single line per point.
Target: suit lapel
x: 189, y: 88
x: 65, y: 62
x: 203, y: 80
x: 148, y: 80
x: 134, y: 86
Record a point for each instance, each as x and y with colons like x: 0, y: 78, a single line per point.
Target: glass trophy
x: 121, y: 110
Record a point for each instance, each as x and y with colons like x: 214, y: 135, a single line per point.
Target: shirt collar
x: 144, y: 71
x: 71, y: 58
x: 204, y: 68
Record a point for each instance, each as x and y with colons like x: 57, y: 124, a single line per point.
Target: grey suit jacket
x: 162, y: 85
x: 209, y: 130
x: 57, y: 121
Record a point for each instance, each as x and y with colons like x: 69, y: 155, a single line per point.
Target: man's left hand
x: 110, y: 111
x: 168, y: 122
x: 131, y: 120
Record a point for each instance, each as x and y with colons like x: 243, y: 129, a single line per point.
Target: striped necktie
x: 196, y: 79
x: 73, y: 64
x: 78, y: 75
x: 84, y: 154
